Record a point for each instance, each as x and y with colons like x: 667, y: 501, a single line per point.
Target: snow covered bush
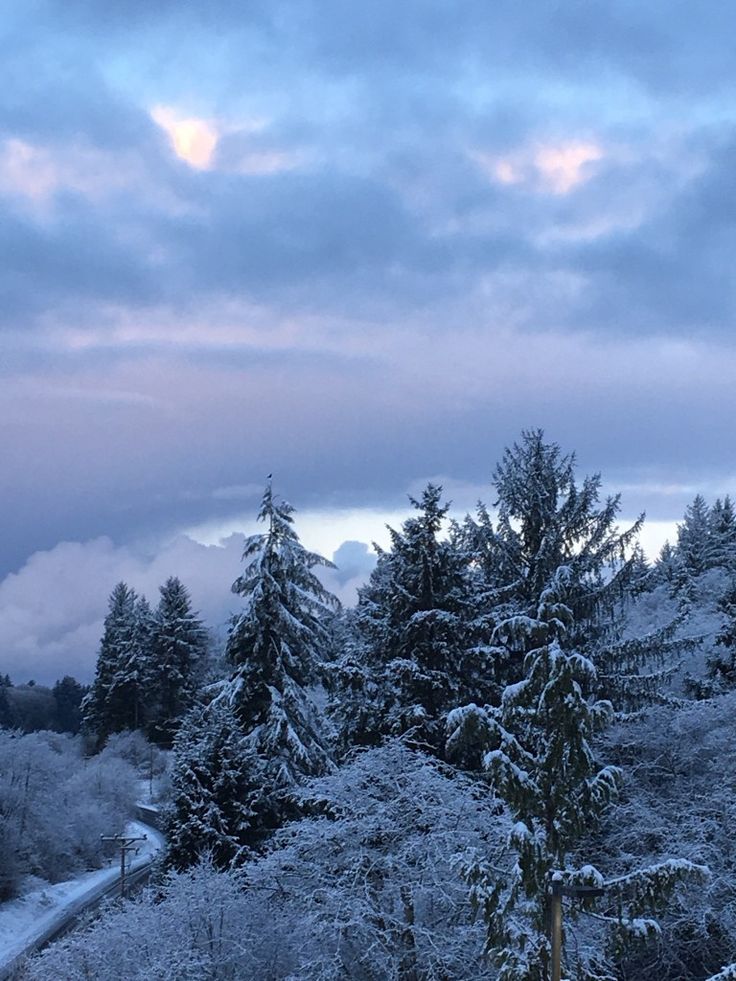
x: 133, y: 747
x: 680, y: 800
x: 367, y: 888
x: 54, y: 805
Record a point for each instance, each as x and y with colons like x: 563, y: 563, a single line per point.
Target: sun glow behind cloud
x: 193, y: 139
x: 556, y: 168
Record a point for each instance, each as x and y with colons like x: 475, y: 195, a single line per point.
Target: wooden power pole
x: 557, y: 890
x: 126, y: 843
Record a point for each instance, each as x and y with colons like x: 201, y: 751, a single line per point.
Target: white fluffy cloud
x: 52, y: 609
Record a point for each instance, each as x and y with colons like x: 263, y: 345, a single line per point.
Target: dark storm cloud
x: 400, y: 217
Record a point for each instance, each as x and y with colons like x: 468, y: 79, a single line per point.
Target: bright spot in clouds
x: 27, y: 171
x: 554, y: 167
x: 194, y: 140
x: 564, y: 167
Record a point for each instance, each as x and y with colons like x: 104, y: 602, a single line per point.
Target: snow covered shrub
x: 133, y: 747
x: 198, y: 931
x: 54, y: 805
x: 367, y: 888
x: 680, y: 799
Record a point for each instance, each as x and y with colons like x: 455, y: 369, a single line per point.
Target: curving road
x: 70, y: 915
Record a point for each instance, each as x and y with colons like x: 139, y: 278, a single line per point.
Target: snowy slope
x: 28, y: 919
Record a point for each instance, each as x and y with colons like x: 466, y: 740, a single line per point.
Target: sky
x: 360, y: 246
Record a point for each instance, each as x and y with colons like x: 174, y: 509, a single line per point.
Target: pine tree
x: 274, y: 647
x: 722, y: 531
x: 68, y: 695
x: 547, y: 520
x: 133, y: 678
x: 721, y: 665
x: 542, y: 764
x: 213, y: 788
x: 415, y: 658
x: 111, y: 703
x: 694, y: 544
x: 667, y: 567
x: 177, y: 644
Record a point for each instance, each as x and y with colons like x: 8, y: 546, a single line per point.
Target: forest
x: 389, y: 791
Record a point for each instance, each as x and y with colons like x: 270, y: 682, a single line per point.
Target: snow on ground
x: 27, y: 918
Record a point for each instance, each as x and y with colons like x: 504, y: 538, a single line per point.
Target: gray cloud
x: 382, y: 275
x: 52, y: 609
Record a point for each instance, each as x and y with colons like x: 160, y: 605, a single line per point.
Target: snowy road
x: 29, y: 922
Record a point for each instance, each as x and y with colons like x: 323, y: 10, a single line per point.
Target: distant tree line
x: 31, y: 707
x: 149, y: 664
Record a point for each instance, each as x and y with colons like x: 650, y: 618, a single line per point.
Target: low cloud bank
x: 52, y: 609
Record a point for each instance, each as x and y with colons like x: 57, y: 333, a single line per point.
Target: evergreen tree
x: 134, y: 677
x: 721, y: 665
x: 274, y: 647
x: 177, y: 643
x: 547, y: 520
x: 68, y: 695
x: 7, y: 716
x: 667, y: 567
x: 694, y: 544
x: 722, y: 530
x: 213, y: 786
x: 415, y: 658
x: 542, y: 764
x: 111, y: 704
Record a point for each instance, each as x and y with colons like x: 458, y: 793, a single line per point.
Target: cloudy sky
x: 359, y: 245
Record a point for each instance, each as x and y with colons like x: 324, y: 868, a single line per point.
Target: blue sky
x: 360, y: 246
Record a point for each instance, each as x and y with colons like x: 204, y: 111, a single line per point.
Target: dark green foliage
x: 414, y: 657
x: 68, y: 695
x: 177, y: 643
x: 214, y: 787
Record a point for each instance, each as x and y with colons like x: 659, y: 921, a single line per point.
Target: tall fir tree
x: 667, y: 566
x: 274, y: 647
x: 213, y: 788
x: 177, y: 644
x: 721, y: 665
x: 415, y: 657
x: 68, y: 695
x: 111, y: 704
x: 722, y: 530
x: 540, y: 757
x: 694, y: 543
x: 548, y: 520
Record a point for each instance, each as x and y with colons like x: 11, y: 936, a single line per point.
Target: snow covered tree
x: 110, y: 704
x: 547, y: 520
x: 213, y: 784
x: 722, y: 528
x: 721, y: 665
x: 416, y: 658
x: 542, y: 764
x: 116, y: 698
x: 177, y: 645
x: 274, y: 646
x: 667, y: 567
x: 694, y: 543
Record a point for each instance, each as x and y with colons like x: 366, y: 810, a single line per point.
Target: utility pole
x: 556, y: 891
x: 126, y: 843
